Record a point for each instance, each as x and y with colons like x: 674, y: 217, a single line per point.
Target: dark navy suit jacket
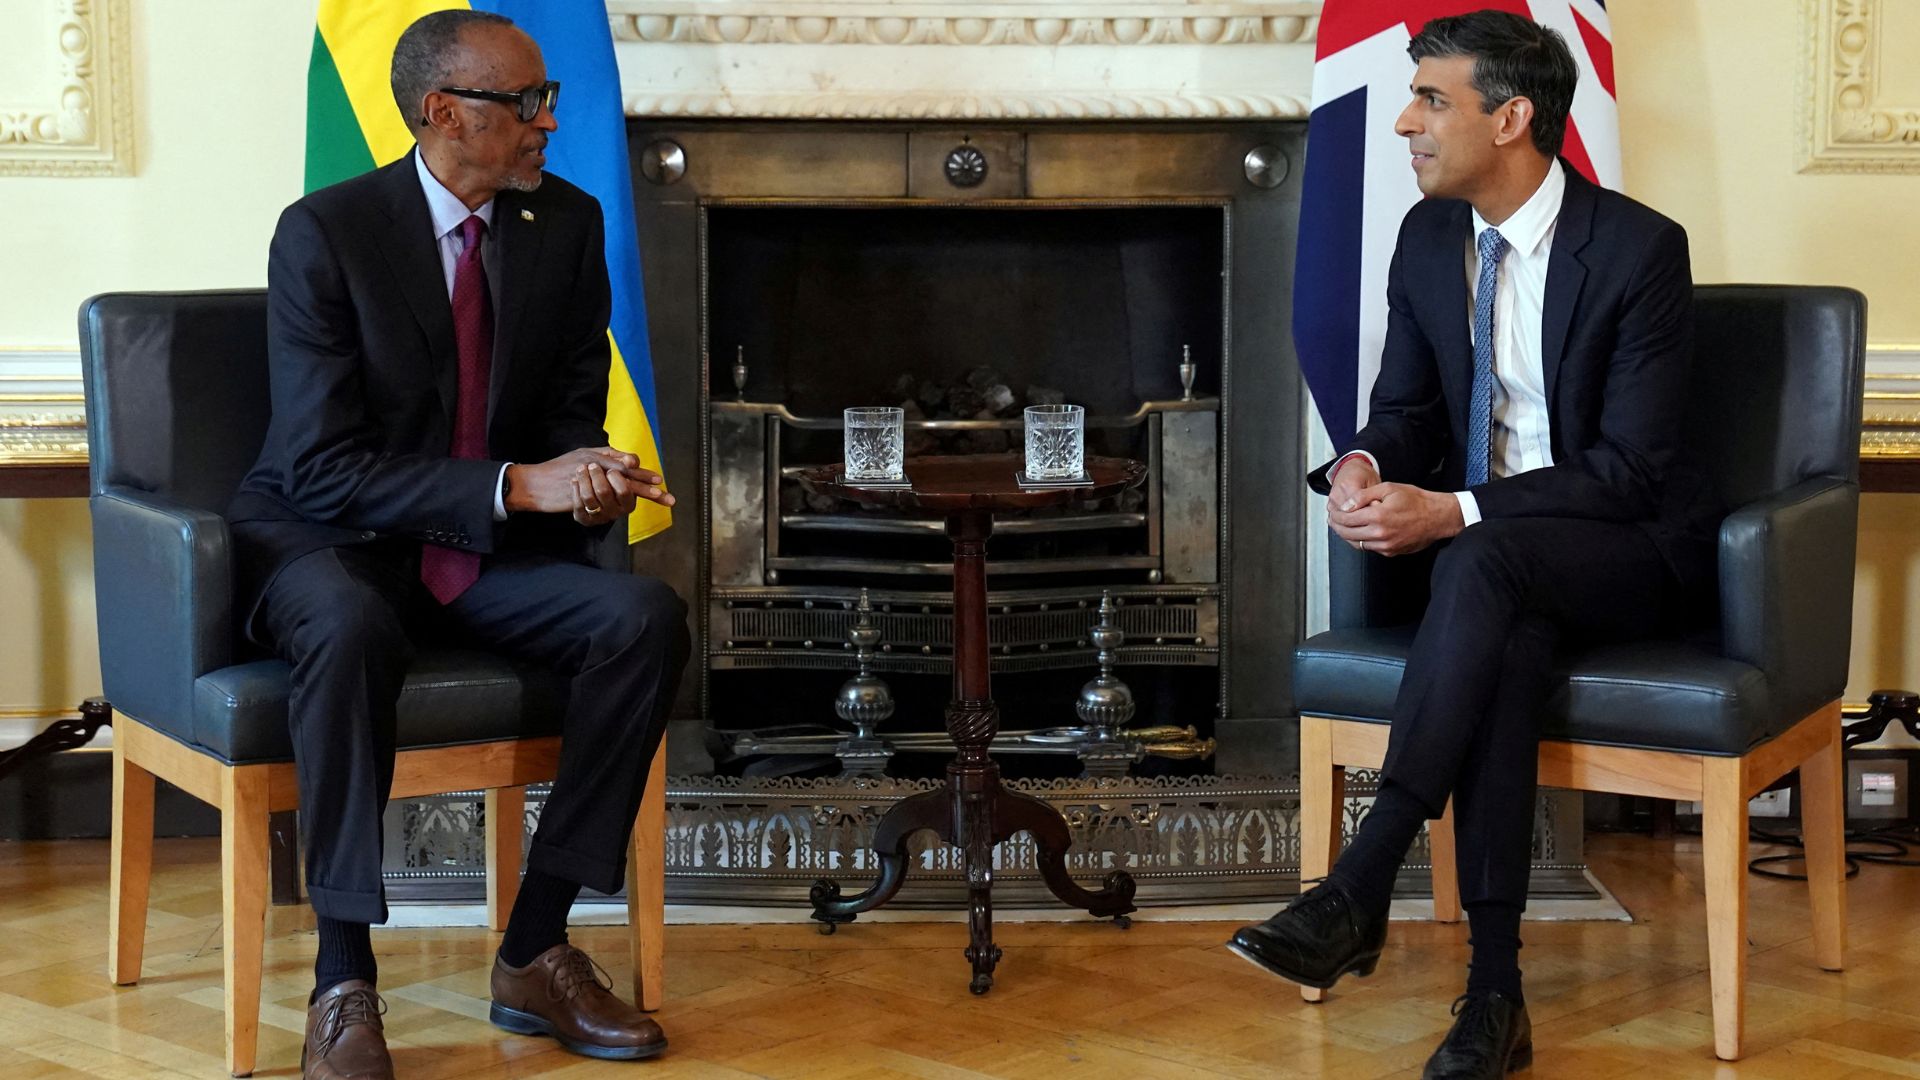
x: 363, y: 370
x: 1617, y: 347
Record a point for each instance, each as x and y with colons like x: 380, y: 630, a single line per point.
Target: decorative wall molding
x: 81, y: 123
x: 42, y: 412
x: 1082, y: 105
x: 965, y: 60
x: 729, y: 22
x: 1846, y: 126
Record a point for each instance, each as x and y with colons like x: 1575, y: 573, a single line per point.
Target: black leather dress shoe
x: 1491, y: 1037
x: 1316, y: 939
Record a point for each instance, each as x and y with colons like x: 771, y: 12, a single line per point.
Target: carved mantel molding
x: 78, y: 122
x: 1847, y: 125
x: 783, y: 22
x: 951, y: 59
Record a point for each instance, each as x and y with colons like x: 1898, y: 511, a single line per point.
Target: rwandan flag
x: 353, y: 126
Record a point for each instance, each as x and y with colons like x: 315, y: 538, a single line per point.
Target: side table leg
x: 977, y: 834
x: 927, y: 810
x: 1016, y: 812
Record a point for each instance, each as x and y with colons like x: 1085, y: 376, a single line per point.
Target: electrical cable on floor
x: 1884, y: 709
x: 1896, y: 843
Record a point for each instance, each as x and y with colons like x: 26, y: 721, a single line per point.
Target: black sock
x: 1496, y: 948
x: 1368, y: 866
x: 346, y: 952
x: 539, y: 919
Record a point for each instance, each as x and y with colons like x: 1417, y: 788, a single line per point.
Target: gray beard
x: 514, y: 183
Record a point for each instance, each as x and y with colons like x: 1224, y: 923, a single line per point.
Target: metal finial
x: 1106, y: 704
x: 1186, y: 373
x: 740, y: 372
x: 1106, y: 635
x: 864, y: 635
x: 865, y: 701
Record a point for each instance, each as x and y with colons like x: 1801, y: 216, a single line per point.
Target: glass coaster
x: 1028, y: 483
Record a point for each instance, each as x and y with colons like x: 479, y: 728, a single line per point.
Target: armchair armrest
x: 163, y: 586
x: 1786, y: 588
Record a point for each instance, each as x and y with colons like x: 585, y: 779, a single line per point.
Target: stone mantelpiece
x: 1042, y: 59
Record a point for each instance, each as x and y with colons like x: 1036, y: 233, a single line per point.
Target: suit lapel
x: 1565, y: 274
x: 415, y: 261
x: 518, y: 239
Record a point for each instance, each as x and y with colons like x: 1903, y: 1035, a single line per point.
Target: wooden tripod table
x: 972, y: 811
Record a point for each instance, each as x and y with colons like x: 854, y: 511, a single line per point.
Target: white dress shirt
x: 448, y: 214
x: 1520, y: 438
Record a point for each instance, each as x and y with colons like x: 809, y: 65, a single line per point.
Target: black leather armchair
x: 1776, y: 423
x: 177, y: 406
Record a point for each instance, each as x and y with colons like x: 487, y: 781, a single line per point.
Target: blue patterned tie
x: 1480, y: 404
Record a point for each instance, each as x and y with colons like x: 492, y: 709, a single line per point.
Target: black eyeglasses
x: 526, y: 102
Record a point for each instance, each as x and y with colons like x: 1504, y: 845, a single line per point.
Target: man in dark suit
x: 436, y: 469
x: 1526, y: 423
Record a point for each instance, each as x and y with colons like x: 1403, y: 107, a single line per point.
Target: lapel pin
x: 526, y: 215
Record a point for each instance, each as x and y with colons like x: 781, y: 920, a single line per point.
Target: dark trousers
x: 349, y: 618
x: 1505, y: 595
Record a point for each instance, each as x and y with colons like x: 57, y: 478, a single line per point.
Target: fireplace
x: 813, y: 267
x: 797, y: 269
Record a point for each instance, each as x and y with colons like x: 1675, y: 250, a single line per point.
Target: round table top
x: 974, y: 482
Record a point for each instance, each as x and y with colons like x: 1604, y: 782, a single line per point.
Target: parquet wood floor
x: 1074, y: 1001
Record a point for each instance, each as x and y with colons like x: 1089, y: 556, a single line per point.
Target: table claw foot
x: 1114, y: 900
x: 984, y: 960
x: 828, y: 907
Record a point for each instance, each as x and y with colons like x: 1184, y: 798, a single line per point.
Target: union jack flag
x: 1358, y: 183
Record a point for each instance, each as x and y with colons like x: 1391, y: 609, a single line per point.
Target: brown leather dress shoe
x: 563, y: 993
x: 345, y: 1040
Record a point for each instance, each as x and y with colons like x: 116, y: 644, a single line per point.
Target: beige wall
x: 1709, y: 120
x: 219, y: 92
x: 1710, y: 106
x: 1710, y: 113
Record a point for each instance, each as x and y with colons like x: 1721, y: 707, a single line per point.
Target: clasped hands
x: 594, y: 484
x: 1388, y: 519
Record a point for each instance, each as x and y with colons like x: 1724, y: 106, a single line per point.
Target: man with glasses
x: 436, y: 468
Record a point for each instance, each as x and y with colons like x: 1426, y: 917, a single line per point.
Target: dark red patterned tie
x: 448, y: 572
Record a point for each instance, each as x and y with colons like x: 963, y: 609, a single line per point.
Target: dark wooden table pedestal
x: 972, y: 811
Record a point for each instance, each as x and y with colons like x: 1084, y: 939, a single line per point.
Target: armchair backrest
x: 1776, y: 386
x: 176, y: 387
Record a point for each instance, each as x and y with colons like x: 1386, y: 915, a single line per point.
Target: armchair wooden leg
x: 1322, y: 802
x: 1724, y: 856
x: 647, y: 888
x: 506, y: 810
x: 243, y: 890
x: 1446, y: 868
x: 1823, y: 814
x: 132, y: 870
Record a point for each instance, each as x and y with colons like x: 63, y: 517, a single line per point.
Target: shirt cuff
x: 1469, y: 507
x: 1344, y: 458
x: 500, y: 493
